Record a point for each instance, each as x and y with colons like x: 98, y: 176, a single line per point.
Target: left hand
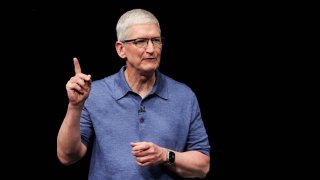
x: 148, y: 153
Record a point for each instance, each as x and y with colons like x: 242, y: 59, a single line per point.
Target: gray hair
x: 133, y: 17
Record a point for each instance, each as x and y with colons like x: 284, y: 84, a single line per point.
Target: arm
x: 191, y: 164
x: 188, y: 164
x: 194, y: 162
x: 69, y: 146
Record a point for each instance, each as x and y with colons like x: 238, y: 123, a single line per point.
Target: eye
x: 156, y: 40
x: 140, y: 41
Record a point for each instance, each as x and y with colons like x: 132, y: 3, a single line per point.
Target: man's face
x: 143, y: 55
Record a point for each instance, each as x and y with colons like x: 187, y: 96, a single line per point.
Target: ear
x: 120, y: 49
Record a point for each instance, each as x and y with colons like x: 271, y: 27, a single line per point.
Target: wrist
x: 76, y: 107
x: 164, y: 155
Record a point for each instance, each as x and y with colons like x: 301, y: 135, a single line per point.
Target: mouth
x: 150, y: 59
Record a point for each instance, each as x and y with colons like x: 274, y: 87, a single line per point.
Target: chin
x: 149, y: 70
x: 150, y: 66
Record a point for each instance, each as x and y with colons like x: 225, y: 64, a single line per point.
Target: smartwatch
x: 171, y: 156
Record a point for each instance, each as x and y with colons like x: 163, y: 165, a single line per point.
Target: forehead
x: 144, y: 31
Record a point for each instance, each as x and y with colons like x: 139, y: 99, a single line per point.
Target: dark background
x: 215, y: 48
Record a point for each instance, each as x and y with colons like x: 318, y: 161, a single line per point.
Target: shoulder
x: 103, y: 85
x: 106, y: 81
x: 177, y: 87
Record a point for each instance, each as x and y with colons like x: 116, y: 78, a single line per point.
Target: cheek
x: 135, y: 55
x: 139, y: 53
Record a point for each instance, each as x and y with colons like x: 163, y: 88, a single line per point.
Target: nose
x: 150, y: 46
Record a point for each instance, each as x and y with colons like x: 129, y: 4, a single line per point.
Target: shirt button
x: 141, y: 120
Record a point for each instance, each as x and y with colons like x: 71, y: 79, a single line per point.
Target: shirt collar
x: 161, y: 87
x: 121, y: 87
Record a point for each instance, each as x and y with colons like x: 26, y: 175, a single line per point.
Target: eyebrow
x: 129, y: 40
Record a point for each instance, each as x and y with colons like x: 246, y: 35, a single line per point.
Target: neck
x: 140, y: 83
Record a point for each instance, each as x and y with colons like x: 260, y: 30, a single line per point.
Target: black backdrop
x: 212, y: 47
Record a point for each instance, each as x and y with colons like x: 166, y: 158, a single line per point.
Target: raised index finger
x: 77, y: 68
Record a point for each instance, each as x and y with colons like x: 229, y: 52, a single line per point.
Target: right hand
x: 78, y: 87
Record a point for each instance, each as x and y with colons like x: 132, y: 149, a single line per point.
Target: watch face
x: 171, y: 157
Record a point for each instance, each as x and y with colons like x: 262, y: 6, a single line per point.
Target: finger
x: 83, y: 77
x: 140, y: 153
x: 78, y: 80
x: 144, y: 161
x: 88, y: 78
x: 140, y: 147
x: 144, y: 164
x: 77, y: 68
x: 74, y: 87
x: 133, y: 144
x: 81, y: 82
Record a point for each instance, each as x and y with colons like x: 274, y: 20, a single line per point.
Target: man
x: 141, y: 123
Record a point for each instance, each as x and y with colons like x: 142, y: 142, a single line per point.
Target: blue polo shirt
x: 114, y: 116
